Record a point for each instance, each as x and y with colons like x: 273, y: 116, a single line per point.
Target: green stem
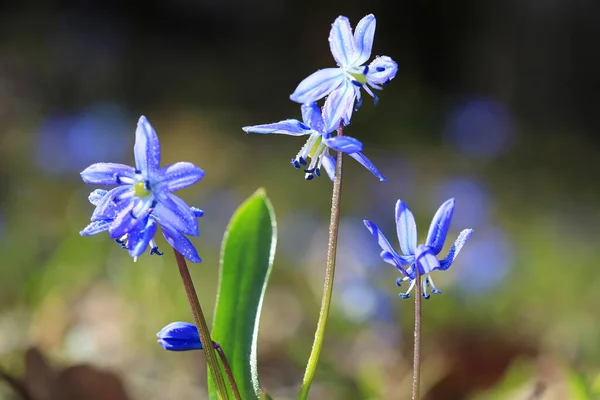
x: 334, y: 223
x: 228, y: 372
x: 209, y: 351
x: 416, y: 382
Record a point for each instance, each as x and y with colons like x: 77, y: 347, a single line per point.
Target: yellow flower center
x: 360, y: 78
x: 140, y: 190
x: 315, y: 146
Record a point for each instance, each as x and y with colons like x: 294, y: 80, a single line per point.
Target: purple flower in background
x: 144, y: 191
x: 424, y: 256
x: 179, y: 336
x: 342, y: 85
x: 318, y: 144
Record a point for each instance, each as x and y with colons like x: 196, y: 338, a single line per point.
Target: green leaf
x: 247, y: 256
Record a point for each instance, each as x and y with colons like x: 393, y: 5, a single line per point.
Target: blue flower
x: 343, y: 84
x: 138, y: 240
x: 318, y: 144
x: 179, y: 336
x: 423, y: 256
x: 144, y: 191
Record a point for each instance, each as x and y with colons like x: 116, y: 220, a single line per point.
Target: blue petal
x: 113, y: 203
x: 439, y: 226
x: 107, y: 173
x: 96, y: 196
x: 132, y: 215
x: 139, y: 238
x: 426, y: 260
x: 180, y: 345
x: 363, y: 39
x: 172, y: 211
x: 146, y: 149
x: 311, y: 115
x: 344, y: 144
x: 406, y: 228
x: 177, y: 176
x: 365, y: 162
x: 341, y: 42
x: 96, y: 227
x: 395, y: 261
x: 339, y: 106
x: 381, y: 70
x: 179, y: 330
x: 318, y: 85
x: 328, y: 162
x: 291, y: 127
x: 458, y: 244
x: 181, y: 244
x: 384, y: 244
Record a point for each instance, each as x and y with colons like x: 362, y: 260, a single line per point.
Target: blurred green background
x: 495, y: 104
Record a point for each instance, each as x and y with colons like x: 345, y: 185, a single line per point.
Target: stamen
x: 357, y: 83
x: 359, y: 103
x: 366, y: 70
x: 380, y: 69
x: 121, y: 242
x: 317, y: 171
x: 295, y: 163
x: 117, y: 179
x: 154, y: 250
x: 309, y: 177
x: 137, y: 171
x: 434, y: 290
x: 302, y: 161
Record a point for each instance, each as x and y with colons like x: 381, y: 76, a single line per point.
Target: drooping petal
x: 339, y: 106
x: 397, y: 262
x: 406, y: 229
x: 107, y: 174
x: 96, y: 227
x: 291, y: 127
x: 381, y: 70
x: 171, y: 210
x: 458, y: 244
x: 139, y: 238
x: 344, y: 144
x: 384, y: 244
x: 113, y: 203
x: 341, y: 42
x: 311, y: 115
x: 132, y: 215
x: 439, y: 226
x: 146, y: 149
x: 180, y: 243
x: 328, y: 162
x: 179, y: 336
x: 318, y: 85
x: 177, y: 176
x: 365, y: 162
x: 363, y: 39
x: 96, y: 196
x: 426, y: 260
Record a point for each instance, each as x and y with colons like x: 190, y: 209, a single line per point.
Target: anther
x: 117, y: 179
x: 386, y: 82
x: 154, y: 250
x: 357, y: 83
x: 380, y: 69
x: 121, y: 242
x: 366, y: 70
x: 358, y: 104
x: 404, y: 295
x: 435, y: 291
x: 309, y: 177
x: 309, y: 171
x: 137, y: 171
x: 295, y: 163
x: 398, y: 282
x: 132, y: 214
x: 147, y: 185
x: 302, y: 161
x: 426, y: 296
x: 318, y: 172
x: 375, y: 99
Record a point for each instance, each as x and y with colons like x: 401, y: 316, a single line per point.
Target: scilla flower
x: 145, y: 191
x: 179, y: 336
x: 424, y: 256
x: 318, y: 144
x: 343, y: 84
x: 138, y: 239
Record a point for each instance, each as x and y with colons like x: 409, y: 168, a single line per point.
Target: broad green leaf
x: 246, y: 259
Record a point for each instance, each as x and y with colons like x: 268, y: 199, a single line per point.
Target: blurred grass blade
x: 246, y: 259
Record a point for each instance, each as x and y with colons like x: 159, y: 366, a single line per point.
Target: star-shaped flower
x: 342, y: 85
x: 143, y: 191
x: 423, y: 256
x: 318, y: 144
x: 142, y: 236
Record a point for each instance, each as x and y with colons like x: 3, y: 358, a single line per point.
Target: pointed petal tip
x: 142, y: 120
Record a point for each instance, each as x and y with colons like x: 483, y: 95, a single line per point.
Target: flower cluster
x: 422, y: 258
x: 340, y: 87
x: 143, y: 199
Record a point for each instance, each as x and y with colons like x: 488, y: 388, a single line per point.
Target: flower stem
x: 228, y: 372
x: 334, y: 223
x: 417, y: 334
x: 209, y: 351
